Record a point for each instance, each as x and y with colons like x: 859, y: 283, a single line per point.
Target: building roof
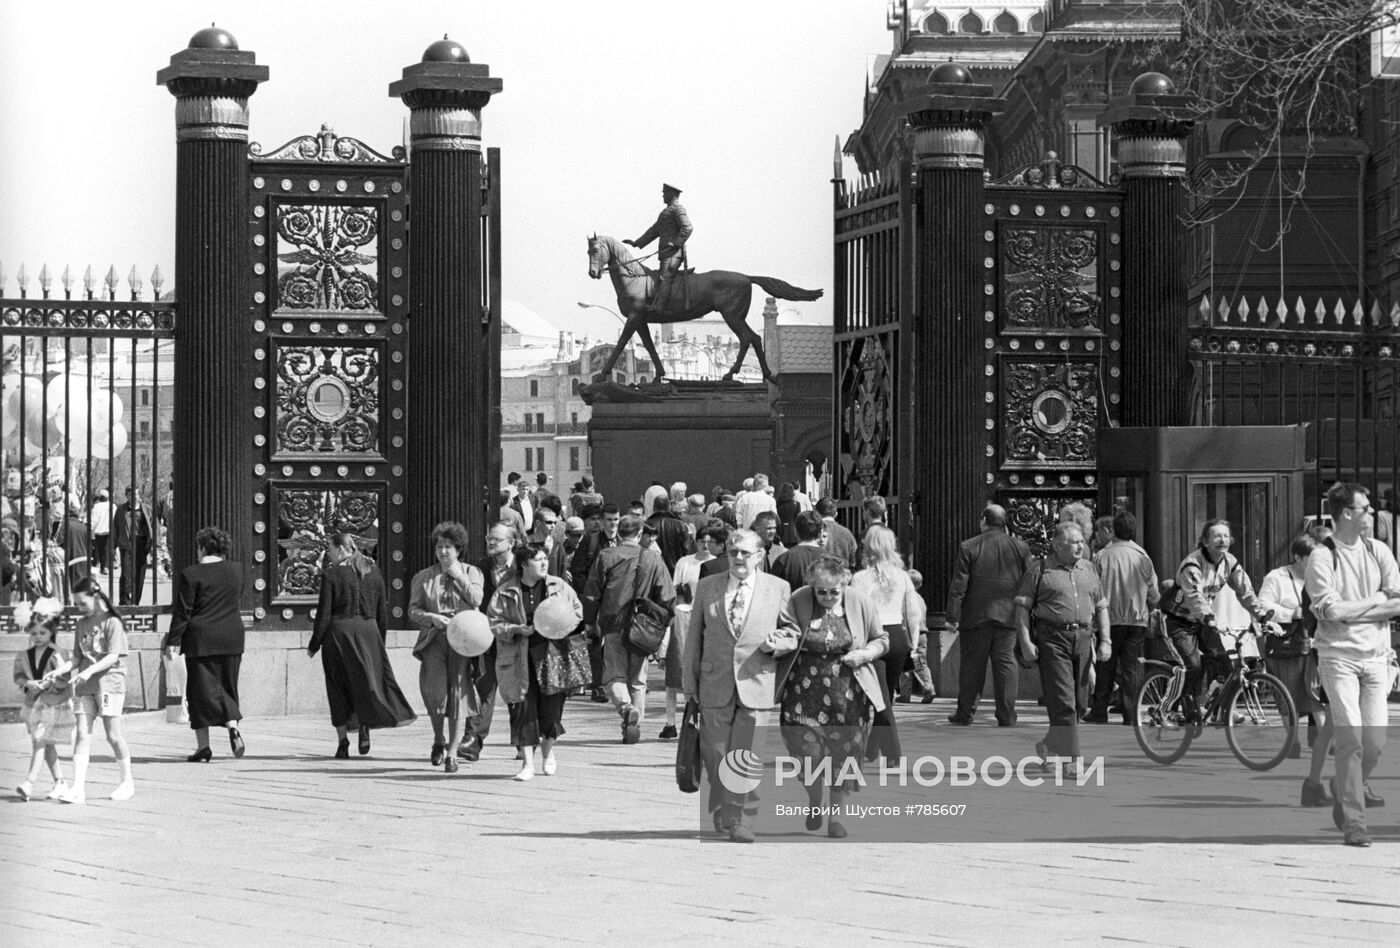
x: 804, y: 349
x: 520, y: 319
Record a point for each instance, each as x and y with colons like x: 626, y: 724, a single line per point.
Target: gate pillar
x: 454, y: 320
x: 948, y: 462
x: 212, y: 81
x: 1151, y: 125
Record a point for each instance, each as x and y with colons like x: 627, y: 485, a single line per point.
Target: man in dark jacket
x: 618, y: 576
x: 672, y: 538
x: 131, y: 531
x: 981, y: 607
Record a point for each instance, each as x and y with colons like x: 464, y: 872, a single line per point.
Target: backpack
x: 1308, y: 619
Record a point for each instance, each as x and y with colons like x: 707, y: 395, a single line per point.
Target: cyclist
x: 1191, y: 616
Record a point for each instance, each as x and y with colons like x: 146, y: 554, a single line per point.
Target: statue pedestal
x: 703, y: 433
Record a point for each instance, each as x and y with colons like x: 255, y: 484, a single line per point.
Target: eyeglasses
x: 498, y: 539
x: 744, y: 554
x: 549, y: 523
x: 1366, y: 509
x: 826, y: 592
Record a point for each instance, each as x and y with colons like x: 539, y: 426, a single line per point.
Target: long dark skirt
x: 360, y: 684
x: 211, y: 690
x: 538, y: 717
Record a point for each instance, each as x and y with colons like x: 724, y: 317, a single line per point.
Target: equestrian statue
x: 673, y: 294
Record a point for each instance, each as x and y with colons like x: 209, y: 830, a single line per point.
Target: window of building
x: 972, y: 23
x: 534, y: 388
x: 145, y: 397
x: 573, y: 417
x: 621, y: 379
x: 573, y: 459
x: 539, y: 421
x: 935, y: 23
x: 529, y: 422
x: 529, y: 457
x: 1005, y: 23
x: 145, y: 429
x: 574, y: 386
x: 643, y: 380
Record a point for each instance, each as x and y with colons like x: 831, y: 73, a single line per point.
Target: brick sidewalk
x: 290, y: 847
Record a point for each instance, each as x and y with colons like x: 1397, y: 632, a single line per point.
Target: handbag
x: 1295, y: 642
x: 688, y: 762
x: 53, y: 723
x: 564, y: 672
x: 644, y: 622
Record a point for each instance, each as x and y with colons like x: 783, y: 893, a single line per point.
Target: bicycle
x: 1254, y: 707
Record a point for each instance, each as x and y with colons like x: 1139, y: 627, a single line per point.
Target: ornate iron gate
x: 1053, y: 337
x: 329, y: 240
x: 872, y: 298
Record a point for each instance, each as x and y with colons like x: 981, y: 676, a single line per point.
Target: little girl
x: 34, y: 675
x: 99, y: 686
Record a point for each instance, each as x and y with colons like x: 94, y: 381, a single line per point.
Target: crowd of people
x: 757, y: 601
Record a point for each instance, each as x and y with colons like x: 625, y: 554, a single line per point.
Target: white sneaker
x: 25, y: 791
x: 124, y: 791
x: 527, y: 772
x: 550, y: 766
x: 67, y: 795
x: 58, y: 788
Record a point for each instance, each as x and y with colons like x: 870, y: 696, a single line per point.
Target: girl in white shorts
x: 99, y: 686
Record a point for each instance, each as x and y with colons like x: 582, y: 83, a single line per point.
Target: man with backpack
x: 1353, y: 588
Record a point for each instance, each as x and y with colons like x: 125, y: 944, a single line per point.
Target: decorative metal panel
x: 1050, y: 277
x: 867, y: 431
x: 327, y: 400
x: 328, y: 256
x: 1049, y: 414
x: 1032, y: 515
x: 307, y: 517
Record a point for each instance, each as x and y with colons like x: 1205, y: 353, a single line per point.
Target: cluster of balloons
x: 62, y: 415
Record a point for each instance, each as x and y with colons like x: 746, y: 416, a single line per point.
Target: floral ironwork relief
x: 327, y: 256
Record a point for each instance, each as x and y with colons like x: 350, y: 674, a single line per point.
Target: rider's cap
x: 671, y: 187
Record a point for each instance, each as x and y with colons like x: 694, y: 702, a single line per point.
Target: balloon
x: 555, y: 618
x: 9, y: 385
x: 469, y: 633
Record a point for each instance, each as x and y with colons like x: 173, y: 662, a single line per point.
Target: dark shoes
x: 364, y: 741
x: 814, y: 822
x: 959, y: 719
x: 1097, y: 717
x: 668, y: 733
x: 436, y: 756
x: 450, y: 764
x: 599, y: 696
x: 235, y: 741
x: 1338, y: 816
x: 903, y: 699
x: 927, y: 698
x: 342, y: 750
x: 631, y: 724
x: 469, y: 750
x: 1359, y: 838
x: 201, y: 756
x: 1314, y: 793
x: 1373, y: 801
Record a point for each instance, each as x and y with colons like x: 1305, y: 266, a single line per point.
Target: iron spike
x: 1339, y: 311
x: 1375, y: 312
x: 1243, y: 310
x: 1395, y: 314
x: 1205, y: 310
x: 133, y: 280
x: 45, y: 280
x: 67, y: 281
x: 1222, y: 307
x: 88, y: 281
x: 23, y: 278
x: 1320, y: 312
x: 1281, y: 310
x: 157, y: 281
x: 4, y: 277
x: 111, y: 281
x: 1262, y: 310
x: 1300, y: 311
x: 1358, y: 313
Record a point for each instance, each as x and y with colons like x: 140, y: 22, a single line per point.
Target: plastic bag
x: 175, y: 677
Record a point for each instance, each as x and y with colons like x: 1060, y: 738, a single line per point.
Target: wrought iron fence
x: 1331, y: 364
x: 88, y: 395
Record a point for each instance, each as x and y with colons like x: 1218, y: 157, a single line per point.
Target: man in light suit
x: 737, y: 628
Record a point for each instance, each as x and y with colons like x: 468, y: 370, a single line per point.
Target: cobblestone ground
x: 290, y: 847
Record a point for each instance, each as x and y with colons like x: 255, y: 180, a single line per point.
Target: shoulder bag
x: 645, y: 622
x: 1296, y: 641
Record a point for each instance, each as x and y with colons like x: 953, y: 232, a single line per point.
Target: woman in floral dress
x: 828, y: 689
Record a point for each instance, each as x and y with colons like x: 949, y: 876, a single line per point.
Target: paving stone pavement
x: 290, y: 847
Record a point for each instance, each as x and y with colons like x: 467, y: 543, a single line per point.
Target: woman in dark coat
x: 207, y: 627
x: 351, y: 621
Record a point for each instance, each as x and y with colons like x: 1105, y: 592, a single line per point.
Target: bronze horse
x: 692, y: 296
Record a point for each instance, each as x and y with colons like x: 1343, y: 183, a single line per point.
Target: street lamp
x: 583, y: 305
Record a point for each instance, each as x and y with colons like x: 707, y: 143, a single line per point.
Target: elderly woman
x: 886, y: 582
x: 828, y: 687
x: 1282, y: 591
x: 528, y: 665
x: 206, y: 625
x: 352, y: 620
x: 439, y: 593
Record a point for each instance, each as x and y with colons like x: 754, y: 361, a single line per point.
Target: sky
x: 737, y: 103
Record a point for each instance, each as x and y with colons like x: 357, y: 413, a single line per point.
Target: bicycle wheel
x: 1262, y: 723
x: 1160, y: 726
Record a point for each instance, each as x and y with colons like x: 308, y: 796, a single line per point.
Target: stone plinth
x: 703, y: 433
